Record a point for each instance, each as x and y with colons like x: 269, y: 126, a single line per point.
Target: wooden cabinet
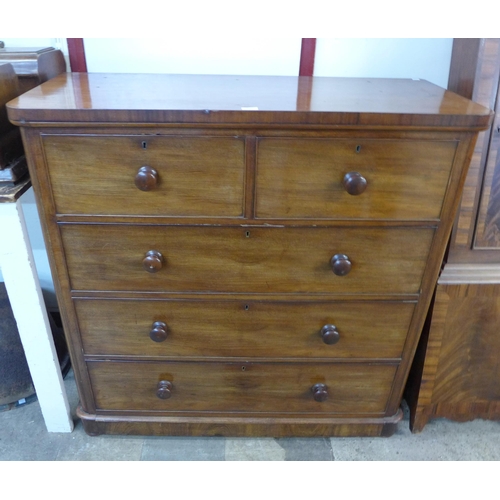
x: 225, y: 271
x: 455, y: 374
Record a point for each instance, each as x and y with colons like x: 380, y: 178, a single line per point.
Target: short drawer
x: 259, y: 260
x: 177, y: 176
x: 352, y: 178
x: 241, y: 387
x: 234, y: 328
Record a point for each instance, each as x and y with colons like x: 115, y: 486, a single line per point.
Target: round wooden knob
x: 164, y: 389
x: 354, y: 183
x: 330, y: 334
x: 341, y: 265
x: 146, y: 178
x: 320, y: 392
x: 159, y: 332
x: 153, y: 261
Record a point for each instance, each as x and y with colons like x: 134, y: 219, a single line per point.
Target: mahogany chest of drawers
x: 244, y: 255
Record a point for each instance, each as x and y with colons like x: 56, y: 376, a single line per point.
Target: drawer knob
x: 159, y: 332
x: 341, y: 265
x: 320, y: 392
x: 146, y: 178
x: 354, y: 183
x: 153, y: 261
x: 330, y: 334
x: 164, y: 389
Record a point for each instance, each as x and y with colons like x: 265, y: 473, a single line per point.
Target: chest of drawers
x: 244, y: 255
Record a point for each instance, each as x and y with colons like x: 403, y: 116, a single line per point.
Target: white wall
x: 419, y: 58
x: 241, y: 56
x: 427, y: 58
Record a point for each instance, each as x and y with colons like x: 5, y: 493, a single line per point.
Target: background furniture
x: 456, y: 370
x: 34, y: 65
x: 19, y: 273
x: 244, y: 255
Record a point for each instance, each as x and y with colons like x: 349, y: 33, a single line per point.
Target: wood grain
x: 457, y: 357
x: 302, y: 178
x: 476, y: 70
x: 213, y: 425
x: 264, y: 329
x: 242, y: 387
x: 249, y: 371
x: 95, y: 175
x: 264, y: 260
x: 216, y: 99
x: 460, y: 378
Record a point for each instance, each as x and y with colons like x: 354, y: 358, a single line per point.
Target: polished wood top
x: 245, y: 100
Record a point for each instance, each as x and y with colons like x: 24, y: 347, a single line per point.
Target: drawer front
x: 195, y: 176
x: 304, y: 178
x: 260, y: 260
x: 241, y: 387
x: 180, y: 328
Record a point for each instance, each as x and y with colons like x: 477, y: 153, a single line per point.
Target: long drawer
x: 182, y: 176
x: 241, y: 387
x: 234, y: 328
x: 352, y: 178
x: 243, y: 260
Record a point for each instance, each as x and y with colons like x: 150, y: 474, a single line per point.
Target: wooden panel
x: 468, y: 363
x: 96, y: 175
x: 461, y: 375
x: 303, y: 178
x: 240, y: 426
x: 219, y: 99
x: 243, y: 328
x: 488, y: 224
x: 242, y: 387
x: 261, y: 260
x: 474, y: 73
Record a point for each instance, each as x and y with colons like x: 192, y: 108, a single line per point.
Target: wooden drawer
x: 233, y: 259
x: 196, y: 176
x: 241, y: 387
x: 303, y: 178
x: 218, y: 328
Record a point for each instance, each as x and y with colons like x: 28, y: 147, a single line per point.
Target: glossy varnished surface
x: 238, y: 260
x: 180, y: 322
x: 143, y: 98
x: 302, y: 178
x: 239, y: 328
x: 242, y: 387
x: 96, y: 175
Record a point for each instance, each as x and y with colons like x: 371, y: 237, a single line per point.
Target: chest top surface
x: 245, y: 100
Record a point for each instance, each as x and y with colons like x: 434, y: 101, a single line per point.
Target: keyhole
x: 243, y: 368
x: 247, y: 234
x: 247, y: 307
x: 144, y: 144
x: 358, y: 148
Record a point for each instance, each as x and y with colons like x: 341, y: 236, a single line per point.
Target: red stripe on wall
x: 76, y: 51
x: 307, y: 53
